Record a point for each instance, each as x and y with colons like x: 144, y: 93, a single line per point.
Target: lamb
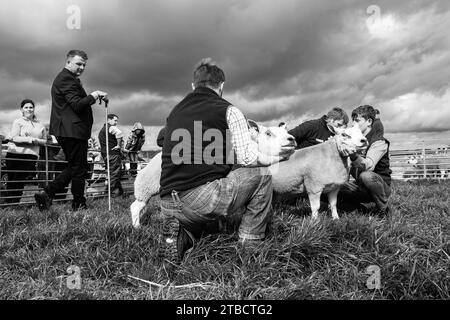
x: 269, y: 139
x: 318, y: 169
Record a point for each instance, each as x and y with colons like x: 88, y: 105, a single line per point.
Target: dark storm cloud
x: 282, y: 59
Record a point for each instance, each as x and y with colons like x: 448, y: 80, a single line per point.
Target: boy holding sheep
x: 371, y: 170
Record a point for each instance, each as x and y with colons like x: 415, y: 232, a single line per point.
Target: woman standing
x: 27, y: 134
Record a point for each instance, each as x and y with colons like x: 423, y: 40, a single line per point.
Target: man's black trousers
x: 76, y: 170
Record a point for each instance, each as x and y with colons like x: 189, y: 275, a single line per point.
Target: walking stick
x: 107, y: 152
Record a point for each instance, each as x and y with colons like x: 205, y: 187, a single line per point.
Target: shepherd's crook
x: 107, y: 152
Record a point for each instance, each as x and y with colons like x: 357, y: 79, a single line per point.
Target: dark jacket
x: 382, y: 168
x: 71, y: 114
x: 377, y: 127
x: 307, y: 133
x: 204, y: 108
x: 112, y: 141
x: 136, y: 141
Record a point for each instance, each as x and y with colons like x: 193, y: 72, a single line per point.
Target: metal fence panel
x: 47, y: 169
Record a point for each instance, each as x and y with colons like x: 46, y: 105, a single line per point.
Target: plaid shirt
x: 245, y: 148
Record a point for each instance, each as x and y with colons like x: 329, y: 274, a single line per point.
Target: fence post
x: 46, y: 165
x: 424, y: 163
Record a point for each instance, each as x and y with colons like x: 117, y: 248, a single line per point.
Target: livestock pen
x: 49, y: 165
x: 426, y: 160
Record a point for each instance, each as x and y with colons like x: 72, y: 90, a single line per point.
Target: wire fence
x: 425, y: 159
x: 30, y: 176
x: 419, y: 162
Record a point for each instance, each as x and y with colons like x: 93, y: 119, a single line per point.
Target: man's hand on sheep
x: 346, y: 150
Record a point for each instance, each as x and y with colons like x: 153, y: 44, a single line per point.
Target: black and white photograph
x: 242, y: 152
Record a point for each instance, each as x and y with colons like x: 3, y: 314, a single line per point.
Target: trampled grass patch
x: 300, y: 259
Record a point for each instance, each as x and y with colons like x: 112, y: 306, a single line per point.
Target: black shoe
x: 79, y: 206
x: 43, y: 200
x: 174, y: 243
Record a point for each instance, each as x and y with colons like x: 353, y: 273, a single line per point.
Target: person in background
x: 26, y: 135
x: 4, y: 139
x: 92, y: 144
x: 316, y: 131
x: 115, y: 142
x: 93, y: 156
x: 134, y: 144
x: 49, y: 155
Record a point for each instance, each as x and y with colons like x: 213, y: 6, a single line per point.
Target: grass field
x: 299, y: 260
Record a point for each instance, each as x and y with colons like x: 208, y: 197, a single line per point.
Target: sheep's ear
x: 252, y: 124
x: 283, y: 125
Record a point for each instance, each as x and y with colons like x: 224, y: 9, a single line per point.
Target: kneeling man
x: 370, y: 170
x: 198, y: 186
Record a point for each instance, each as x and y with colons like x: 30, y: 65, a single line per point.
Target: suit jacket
x: 71, y: 114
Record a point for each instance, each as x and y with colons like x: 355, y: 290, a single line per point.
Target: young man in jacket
x: 115, y: 142
x: 71, y: 123
x: 371, y: 170
x: 315, y: 131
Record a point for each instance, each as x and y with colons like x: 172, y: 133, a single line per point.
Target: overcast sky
x: 283, y: 60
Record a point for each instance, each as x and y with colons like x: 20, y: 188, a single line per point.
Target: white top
x: 23, y: 131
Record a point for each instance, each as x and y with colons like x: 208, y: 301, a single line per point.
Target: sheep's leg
x: 332, y: 199
x: 136, y: 212
x: 314, y: 201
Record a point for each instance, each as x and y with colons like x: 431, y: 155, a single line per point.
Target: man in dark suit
x: 71, y: 123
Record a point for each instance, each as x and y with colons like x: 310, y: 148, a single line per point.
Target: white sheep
x: 269, y: 140
x: 318, y: 169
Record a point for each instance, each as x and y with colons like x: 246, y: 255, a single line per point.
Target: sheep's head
x: 271, y: 139
x: 351, y: 138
